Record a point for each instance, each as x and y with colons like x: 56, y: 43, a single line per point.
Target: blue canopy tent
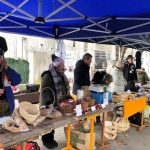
x: 122, y: 22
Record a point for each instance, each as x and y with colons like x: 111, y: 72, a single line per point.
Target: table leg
x: 142, y: 121
x: 92, y: 132
x: 69, y: 146
x: 102, y: 145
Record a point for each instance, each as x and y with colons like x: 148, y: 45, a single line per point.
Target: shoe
x: 51, y: 144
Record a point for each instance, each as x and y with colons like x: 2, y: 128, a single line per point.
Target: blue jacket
x: 15, y: 79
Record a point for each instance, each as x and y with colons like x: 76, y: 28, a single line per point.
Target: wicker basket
x: 67, y: 110
x: 122, y: 125
x: 110, y: 132
x: 29, y: 112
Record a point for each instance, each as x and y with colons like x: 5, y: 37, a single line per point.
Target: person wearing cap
x: 54, y: 83
x: 81, y: 72
x: 130, y: 74
x: 118, y: 80
x: 8, y: 78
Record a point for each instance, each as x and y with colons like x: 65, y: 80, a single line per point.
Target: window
x: 100, y: 59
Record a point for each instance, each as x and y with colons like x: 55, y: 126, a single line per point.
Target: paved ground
x: 131, y: 140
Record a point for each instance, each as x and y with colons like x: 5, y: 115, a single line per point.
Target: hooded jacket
x: 81, y: 76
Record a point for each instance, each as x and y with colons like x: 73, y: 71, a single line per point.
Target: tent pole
x: 102, y: 21
x: 133, y: 18
x: 20, y: 10
x: 22, y: 17
x: 41, y: 31
x: 59, y: 9
x: 14, y: 10
x: 92, y: 30
x: 10, y: 20
x: 131, y: 44
x: 84, y: 28
x: 133, y: 27
x: 107, y: 40
x: 10, y: 27
x: 80, y: 14
x: 64, y: 19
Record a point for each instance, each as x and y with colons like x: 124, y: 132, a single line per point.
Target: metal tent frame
x: 129, y: 30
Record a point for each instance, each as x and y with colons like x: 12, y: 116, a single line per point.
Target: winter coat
x: 118, y: 80
x: 14, y: 79
x: 129, y: 72
x: 47, y: 96
x: 81, y: 76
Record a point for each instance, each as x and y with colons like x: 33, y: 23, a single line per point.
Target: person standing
x: 81, y: 72
x: 118, y: 79
x: 54, y: 87
x: 8, y: 78
x: 130, y: 74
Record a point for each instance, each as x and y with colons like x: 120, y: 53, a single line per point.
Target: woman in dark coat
x: 54, y: 86
x: 81, y: 73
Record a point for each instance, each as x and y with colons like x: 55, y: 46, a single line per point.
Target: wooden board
x: 8, y: 138
x: 134, y: 106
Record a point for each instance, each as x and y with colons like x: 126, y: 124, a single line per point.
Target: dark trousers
x: 47, y: 138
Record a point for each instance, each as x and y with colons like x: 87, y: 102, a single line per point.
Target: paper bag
x: 80, y: 140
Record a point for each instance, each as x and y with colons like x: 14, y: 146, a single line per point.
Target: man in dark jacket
x: 81, y: 72
x: 54, y: 88
x: 130, y: 74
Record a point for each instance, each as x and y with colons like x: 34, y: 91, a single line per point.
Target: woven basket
x: 122, y: 125
x: 67, y: 109
x: 110, y: 132
x: 29, y: 112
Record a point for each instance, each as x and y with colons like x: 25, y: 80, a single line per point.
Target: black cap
x: 3, y: 45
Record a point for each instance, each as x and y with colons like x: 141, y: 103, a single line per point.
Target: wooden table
x: 8, y: 139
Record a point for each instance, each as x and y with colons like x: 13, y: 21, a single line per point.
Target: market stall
x: 8, y: 139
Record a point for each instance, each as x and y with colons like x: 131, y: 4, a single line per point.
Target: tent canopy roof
x: 122, y: 22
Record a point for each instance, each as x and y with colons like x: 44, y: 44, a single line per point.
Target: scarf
x: 57, y: 81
